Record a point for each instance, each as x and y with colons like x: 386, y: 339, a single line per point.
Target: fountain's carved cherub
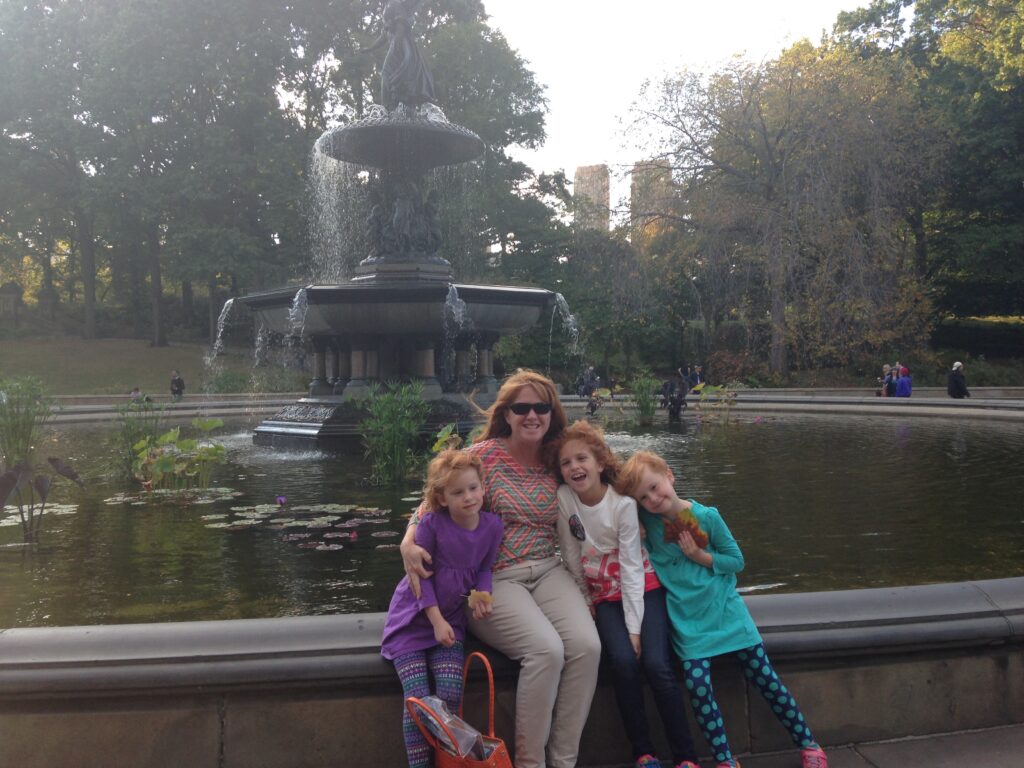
x: 405, y: 78
x: 432, y: 221
x: 376, y: 226
x: 403, y: 222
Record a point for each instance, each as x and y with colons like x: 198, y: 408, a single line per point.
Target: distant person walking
x: 177, y: 387
x: 956, y: 384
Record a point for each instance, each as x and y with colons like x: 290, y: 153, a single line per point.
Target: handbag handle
x: 490, y: 688
x: 414, y: 706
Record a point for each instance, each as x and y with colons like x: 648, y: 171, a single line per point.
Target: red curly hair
x: 592, y: 436
x: 440, y: 471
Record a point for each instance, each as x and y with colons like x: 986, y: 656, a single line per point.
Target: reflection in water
x: 816, y: 502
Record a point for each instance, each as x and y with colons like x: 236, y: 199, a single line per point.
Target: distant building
x: 592, y: 197
x: 650, y: 195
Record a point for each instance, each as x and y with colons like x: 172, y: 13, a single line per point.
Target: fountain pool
x: 817, y: 503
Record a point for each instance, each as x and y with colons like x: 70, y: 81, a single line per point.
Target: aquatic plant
x: 645, y: 397
x: 24, y: 408
x: 716, y: 402
x: 28, y: 492
x: 171, y: 462
x: 392, y: 430
x: 136, y: 421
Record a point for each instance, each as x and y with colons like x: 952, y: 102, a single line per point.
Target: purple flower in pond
x: 282, y: 500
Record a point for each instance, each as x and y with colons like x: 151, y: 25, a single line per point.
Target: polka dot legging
x: 445, y: 666
x: 759, y: 671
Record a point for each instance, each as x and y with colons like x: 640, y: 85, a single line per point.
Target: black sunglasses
x: 521, y: 409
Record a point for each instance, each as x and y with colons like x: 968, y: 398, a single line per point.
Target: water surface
x: 816, y: 502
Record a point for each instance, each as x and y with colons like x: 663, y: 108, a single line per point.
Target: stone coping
x: 343, y: 650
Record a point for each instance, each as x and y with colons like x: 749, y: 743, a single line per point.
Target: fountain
x: 394, y: 318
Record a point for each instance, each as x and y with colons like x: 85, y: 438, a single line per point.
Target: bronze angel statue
x: 405, y: 78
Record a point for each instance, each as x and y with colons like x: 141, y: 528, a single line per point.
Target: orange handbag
x: 496, y: 753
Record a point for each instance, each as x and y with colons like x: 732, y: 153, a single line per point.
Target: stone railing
x: 313, y: 691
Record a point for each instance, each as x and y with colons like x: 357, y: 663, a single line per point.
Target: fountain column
x: 319, y: 385
x: 463, y: 376
x: 485, y: 382
x: 342, y: 365
x: 425, y: 369
x: 357, y: 385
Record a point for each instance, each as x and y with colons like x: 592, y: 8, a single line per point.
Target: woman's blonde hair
x: 497, y: 425
x: 629, y: 474
x: 592, y: 436
x: 442, y: 467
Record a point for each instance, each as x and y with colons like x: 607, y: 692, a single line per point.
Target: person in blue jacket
x: 696, y: 559
x: 903, y: 387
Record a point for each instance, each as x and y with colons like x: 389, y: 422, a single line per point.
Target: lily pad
x: 386, y: 546
x: 296, y: 536
x: 384, y: 534
x: 329, y: 547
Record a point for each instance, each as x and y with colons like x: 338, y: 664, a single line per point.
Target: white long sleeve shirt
x: 609, y: 562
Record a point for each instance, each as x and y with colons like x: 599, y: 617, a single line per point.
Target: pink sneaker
x: 813, y: 757
x: 734, y: 763
x: 647, y: 761
x: 687, y: 764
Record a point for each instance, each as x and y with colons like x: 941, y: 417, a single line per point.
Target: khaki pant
x: 541, y: 620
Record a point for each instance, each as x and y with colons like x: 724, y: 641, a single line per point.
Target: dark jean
x: 656, y: 662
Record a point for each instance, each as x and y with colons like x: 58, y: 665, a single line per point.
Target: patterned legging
x: 445, y: 665
x: 759, y: 671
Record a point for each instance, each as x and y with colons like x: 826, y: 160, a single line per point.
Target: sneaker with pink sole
x: 813, y: 757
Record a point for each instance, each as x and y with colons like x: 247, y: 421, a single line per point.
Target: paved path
x: 991, y: 748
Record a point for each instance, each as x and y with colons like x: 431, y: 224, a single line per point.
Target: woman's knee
x: 583, y: 642
x: 546, y: 654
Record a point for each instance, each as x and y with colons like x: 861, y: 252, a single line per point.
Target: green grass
x: 70, y: 366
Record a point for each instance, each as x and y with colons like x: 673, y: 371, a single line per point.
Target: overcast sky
x: 594, y: 56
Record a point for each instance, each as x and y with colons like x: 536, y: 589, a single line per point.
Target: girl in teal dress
x: 697, y: 559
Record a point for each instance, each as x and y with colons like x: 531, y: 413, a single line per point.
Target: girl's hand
x: 444, y: 634
x: 634, y: 640
x: 482, y: 610
x: 688, y: 545
x: 415, y: 560
x: 692, y: 551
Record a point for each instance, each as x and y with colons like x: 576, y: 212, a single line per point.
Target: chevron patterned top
x: 526, y: 500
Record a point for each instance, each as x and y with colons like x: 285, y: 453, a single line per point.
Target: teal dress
x: 707, y: 614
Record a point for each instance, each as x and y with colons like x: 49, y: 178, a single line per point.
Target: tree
x: 971, y: 63
x: 802, y: 171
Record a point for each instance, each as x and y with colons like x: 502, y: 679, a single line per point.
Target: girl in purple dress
x: 428, y: 633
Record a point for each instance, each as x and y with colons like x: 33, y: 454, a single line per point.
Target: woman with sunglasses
x: 539, y: 616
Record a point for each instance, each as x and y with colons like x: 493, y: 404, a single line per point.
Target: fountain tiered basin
x: 402, y: 316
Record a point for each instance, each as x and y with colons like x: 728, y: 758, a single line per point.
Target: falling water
x: 218, y: 343
x: 339, y: 205
x: 261, y: 347
x: 455, y: 321
x: 455, y: 317
x: 569, y: 325
x: 297, y: 314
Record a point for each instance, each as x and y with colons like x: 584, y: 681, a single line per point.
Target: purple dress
x: 462, y: 560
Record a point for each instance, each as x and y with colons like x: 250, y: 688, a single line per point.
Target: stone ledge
x: 344, y: 649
